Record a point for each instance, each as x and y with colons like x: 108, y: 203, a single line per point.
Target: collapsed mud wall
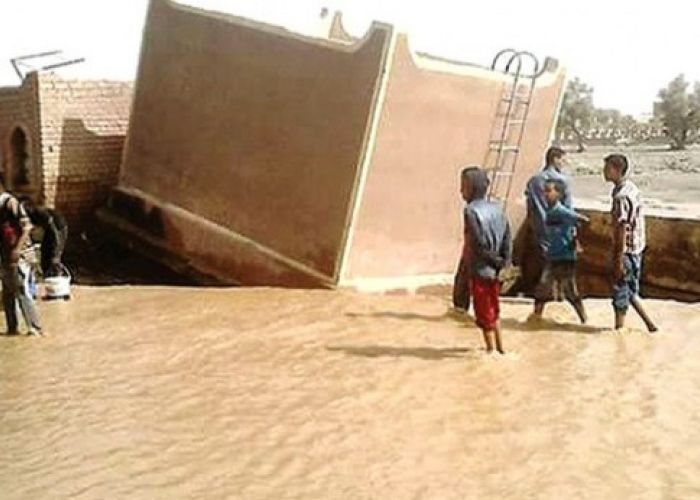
x: 260, y: 156
x: 436, y: 118
x: 253, y: 129
x: 670, y: 265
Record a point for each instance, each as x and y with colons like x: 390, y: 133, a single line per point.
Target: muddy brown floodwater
x: 149, y: 393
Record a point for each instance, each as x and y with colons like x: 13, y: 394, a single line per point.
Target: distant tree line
x: 675, y: 120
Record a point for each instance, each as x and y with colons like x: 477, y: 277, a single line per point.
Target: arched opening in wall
x: 18, y: 166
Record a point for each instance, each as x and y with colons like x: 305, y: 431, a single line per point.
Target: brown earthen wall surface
x: 83, y: 126
x: 18, y: 107
x: 258, y: 131
x: 670, y: 264
x: 432, y: 124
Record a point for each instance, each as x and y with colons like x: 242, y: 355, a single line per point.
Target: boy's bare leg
x: 619, y: 319
x: 538, y: 311
x: 487, y: 340
x: 637, y: 304
x: 539, y: 307
x: 580, y: 310
x: 497, y: 336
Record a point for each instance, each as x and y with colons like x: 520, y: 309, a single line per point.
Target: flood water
x: 148, y: 393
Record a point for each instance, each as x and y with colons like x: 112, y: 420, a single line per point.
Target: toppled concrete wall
x: 252, y: 129
x: 263, y: 157
x: 436, y: 118
x: 670, y: 265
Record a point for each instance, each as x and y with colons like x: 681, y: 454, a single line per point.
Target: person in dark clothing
x: 461, y: 289
x: 537, y: 246
x: 55, y: 234
x: 488, y: 250
x: 461, y: 295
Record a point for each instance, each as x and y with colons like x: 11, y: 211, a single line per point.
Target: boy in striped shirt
x: 629, y: 240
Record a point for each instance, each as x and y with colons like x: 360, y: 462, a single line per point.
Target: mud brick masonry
x: 61, y: 140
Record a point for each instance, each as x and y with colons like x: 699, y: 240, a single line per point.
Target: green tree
x: 679, y: 111
x: 631, y: 129
x: 606, y: 118
x: 576, y: 111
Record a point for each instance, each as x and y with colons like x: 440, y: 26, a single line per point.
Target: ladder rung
x: 510, y: 122
x: 523, y: 88
x: 511, y: 149
x: 517, y: 99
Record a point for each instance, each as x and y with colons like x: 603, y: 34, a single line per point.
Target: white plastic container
x: 58, y: 287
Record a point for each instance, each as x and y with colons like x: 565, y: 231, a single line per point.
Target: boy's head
x: 615, y: 167
x: 555, y: 157
x: 552, y: 192
x: 474, y: 183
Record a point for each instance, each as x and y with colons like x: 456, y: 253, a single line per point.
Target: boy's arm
x: 620, y: 213
x: 535, y: 193
x: 476, y: 241
x: 466, y: 248
x: 571, y: 216
x: 479, y: 246
x: 51, y: 226
x: 618, y: 250
x: 471, y: 232
x: 567, y: 199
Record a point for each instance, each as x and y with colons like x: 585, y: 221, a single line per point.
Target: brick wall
x: 18, y: 108
x: 83, y: 126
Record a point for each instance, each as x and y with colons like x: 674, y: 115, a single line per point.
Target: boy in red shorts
x: 487, y: 250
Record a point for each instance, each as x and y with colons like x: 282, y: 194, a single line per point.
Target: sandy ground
x: 669, y: 180
x: 147, y: 393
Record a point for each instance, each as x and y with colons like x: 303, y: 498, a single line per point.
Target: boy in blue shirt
x: 559, y: 276
x: 488, y: 248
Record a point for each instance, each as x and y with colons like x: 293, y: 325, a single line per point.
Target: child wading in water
x: 559, y: 276
x: 488, y: 249
x: 629, y: 240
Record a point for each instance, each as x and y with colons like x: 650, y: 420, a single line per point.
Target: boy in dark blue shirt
x: 559, y: 276
x: 488, y: 248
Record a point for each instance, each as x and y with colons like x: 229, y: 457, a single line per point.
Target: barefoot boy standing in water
x: 558, y: 278
x: 629, y: 240
x: 488, y: 249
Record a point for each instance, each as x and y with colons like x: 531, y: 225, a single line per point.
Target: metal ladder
x: 509, y: 126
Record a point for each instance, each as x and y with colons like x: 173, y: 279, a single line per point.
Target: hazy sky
x: 627, y: 50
